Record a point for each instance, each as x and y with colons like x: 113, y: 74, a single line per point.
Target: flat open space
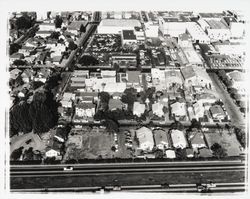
x: 226, y: 140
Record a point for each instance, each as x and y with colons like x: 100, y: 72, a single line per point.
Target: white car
x: 68, y: 168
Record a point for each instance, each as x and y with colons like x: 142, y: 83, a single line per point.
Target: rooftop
x: 214, y: 24
x: 128, y: 35
x: 120, y: 22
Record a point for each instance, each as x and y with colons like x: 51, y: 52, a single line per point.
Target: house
x: 138, y: 109
x: 43, y: 33
x: 84, y: 112
x: 27, y: 76
x: 115, y: 104
x: 217, y: 112
x: 198, y: 110
x: 170, y: 154
x: 205, y: 153
x: 128, y: 37
x: 178, y: 109
x: 206, y: 98
x: 41, y: 58
x: 53, y: 149
x: 157, y: 109
x: 42, y: 75
x: 15, y: 73
x: 145, y: 138
x: 67, y: 100
x: 196, y: 139
x: 47, y: 27
x: 185, y: 40
x: 16, y: 56
x: 178, y: 139
x: 57, y: 60
x: 87, y: 96
x: 195, y: 76
x: 52, y: 153
x: 161, y: 139
x: 25, y: 50
x: 61, y: 134
x: 197, y: 34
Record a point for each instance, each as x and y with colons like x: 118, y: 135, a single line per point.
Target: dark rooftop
x: 128, y: 35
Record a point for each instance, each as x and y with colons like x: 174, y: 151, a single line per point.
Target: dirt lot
x: 95, y: 143
x: 20, y: 141
x: 226, y: 140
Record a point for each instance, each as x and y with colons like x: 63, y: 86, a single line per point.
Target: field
x: 226, y: 140
x: 91, y: 144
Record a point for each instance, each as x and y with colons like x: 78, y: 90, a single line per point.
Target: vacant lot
x: 89, y: 143
x: 26, y: 140
x: 226, y: 140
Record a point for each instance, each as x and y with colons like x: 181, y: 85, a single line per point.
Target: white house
x: 178, y: 109
x: 157, y: 109
x: 52, y: 153
x: 138, y: 108
x: 196, y: 139
x: 145, y: 137
x: 178, y: 139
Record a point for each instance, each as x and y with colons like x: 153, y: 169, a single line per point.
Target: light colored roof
x: 157, y: 109
x: 138, y: 108
x: 178, y: 138
x: 144, y: 135
x: 170, y: 154
x: 178, y: 109
x: 120, y: 22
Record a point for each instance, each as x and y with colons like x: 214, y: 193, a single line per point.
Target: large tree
x: 218, y: 150
x: 23, y: 22
x: 58, y: 21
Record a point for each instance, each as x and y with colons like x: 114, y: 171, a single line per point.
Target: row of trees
x: 233, y: 92
x: 40, y: 115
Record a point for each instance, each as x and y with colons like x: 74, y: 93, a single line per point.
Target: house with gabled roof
x: 178, y: 139
x: 196, y: 139
x: 161, y: 139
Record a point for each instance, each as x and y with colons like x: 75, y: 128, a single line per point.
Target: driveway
x: 232, y: 109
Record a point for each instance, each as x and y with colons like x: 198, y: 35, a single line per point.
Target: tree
x: 181, y: 154
x: 55, y: 35
x: 218, y: 151
x: 129, y: 99
x: 111, y: 125
x: 104, y: 97
x: 58, y: 21
x: 16, y: 154
x: 241, y: 136
x: 177, y: 125
x: 23, y: 22
x: 20, y: 62
x: 88, y: 60
x: 159, y: 154
x: 195, y: 124
x: 14, y: 48
x: 36, y: 84
x: 72, y: 45
x: 82, y: 29
x: 20, y: 120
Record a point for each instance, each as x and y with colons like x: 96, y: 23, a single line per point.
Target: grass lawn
x: 226, y: 140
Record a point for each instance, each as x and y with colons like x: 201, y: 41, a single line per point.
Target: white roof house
x: 138, y: 108
x: 178, y: 139
x: 158, y: 109
x: 178, y: 109
x: 145, y: 137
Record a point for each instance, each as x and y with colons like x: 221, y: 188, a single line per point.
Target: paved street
x: 232, y: 109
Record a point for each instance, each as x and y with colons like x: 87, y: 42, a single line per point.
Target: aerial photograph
x: 150, y: 101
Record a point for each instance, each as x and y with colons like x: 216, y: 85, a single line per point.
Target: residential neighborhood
x: 127, y: 86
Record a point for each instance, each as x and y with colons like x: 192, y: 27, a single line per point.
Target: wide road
x: 232, y: 109
x: 126, y: 174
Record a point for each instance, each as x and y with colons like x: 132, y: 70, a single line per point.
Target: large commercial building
x: 115, y: 26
